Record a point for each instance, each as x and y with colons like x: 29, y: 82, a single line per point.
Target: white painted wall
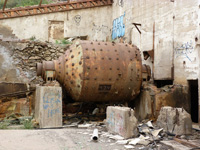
x: 176, y: 26
x: 94, y: 22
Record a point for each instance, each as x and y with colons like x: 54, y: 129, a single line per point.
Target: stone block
x: 48, y: 106
x: 121, y: 120
x: 175, y: 120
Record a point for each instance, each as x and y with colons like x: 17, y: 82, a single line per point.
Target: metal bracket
x: 136, y: 25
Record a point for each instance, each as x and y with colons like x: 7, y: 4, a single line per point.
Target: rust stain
x: 52, y: 8
x: 98, y: 71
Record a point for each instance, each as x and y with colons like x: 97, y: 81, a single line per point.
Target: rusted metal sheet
x: 98, y: 71
x: 148, y: 54
x: 4, y: 5
x: 146, y: 72
x: 52, y: 8
x: 7, y: 88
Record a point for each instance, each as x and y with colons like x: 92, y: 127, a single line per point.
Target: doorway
x: 56, y: 30
x: 193, y: 85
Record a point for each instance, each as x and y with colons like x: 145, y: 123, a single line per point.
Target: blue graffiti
x: 52, y: 112
x: 118, y: 29
x: 111, y: 119
x: 50, y: 100
x: 184, y: 50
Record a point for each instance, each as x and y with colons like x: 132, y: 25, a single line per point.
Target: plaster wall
x: 176, y: 27
x: 93, y: 22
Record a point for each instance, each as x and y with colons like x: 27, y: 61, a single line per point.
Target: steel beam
x: 4, y: 6
x: 51, y: 8
x: 40, y: 3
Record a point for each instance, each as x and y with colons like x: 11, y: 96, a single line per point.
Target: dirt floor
x: 53, y: 139
x: 58, y: 139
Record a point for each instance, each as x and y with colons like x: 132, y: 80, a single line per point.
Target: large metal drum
x: 97, y: 71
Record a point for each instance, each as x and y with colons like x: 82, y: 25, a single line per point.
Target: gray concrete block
x: 175, y: 120
x: 121, y: 120
x: 48, y: 106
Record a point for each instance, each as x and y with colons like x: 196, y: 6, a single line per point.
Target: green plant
x: 63, y: 41
x: 57, y: 42
x: 21, y: 3
x: 4, y: 124
x: 33, y: 38
x: 28, y: 124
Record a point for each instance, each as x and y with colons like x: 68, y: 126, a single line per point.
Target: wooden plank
x: 185, y: 143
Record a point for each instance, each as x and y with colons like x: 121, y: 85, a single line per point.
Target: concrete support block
x: 48, y: 107
x: 175, y: 120
x: 121, y: 120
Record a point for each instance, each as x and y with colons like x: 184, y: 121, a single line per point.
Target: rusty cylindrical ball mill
x: 97, y: 71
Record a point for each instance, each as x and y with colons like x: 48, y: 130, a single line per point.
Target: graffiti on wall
x: 116, y: 122
x: 77, y: 20
x: 121, y: 3
x: 118, y: 29
x: 102, y: 28
x: 51, y: 102
x: 184, y: 50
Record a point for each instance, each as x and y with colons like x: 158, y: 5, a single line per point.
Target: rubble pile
x: 26, y: 54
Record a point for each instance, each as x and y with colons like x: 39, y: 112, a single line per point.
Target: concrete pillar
x: 48, y: 106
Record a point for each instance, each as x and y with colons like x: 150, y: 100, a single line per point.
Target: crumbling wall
x: 175, y: 48
x: 9, y: 72
x: 92, y: 22
x: 152, y: 99
x: 27, y: 54
x: 18, y: 58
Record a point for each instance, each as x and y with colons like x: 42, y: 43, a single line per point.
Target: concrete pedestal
x: 121, y: 120
x: 48, y: 106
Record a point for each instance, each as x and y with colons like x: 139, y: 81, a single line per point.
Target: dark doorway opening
x: 161, y: 83
x: 193, y: 85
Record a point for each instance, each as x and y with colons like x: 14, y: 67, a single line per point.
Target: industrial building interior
x: 99, y: 74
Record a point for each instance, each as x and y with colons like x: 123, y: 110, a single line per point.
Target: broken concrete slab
x: 48, y: 108
x: 175, y: 120
x: 121, y: 120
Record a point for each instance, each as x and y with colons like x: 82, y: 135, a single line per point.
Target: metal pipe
x: 4, y: 6
x: 95, y: 135
x: 40, y: 3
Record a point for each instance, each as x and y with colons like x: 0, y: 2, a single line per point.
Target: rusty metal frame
x: 136, y: 25
x: 4, y: 5
x: 40, y: 3
x: 51, y: 8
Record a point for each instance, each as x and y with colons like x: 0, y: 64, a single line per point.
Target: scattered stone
x: 34, y: 57
x: 84, y: 126
x: 122, y: 142
x: 156, y: 132
x: 116, y: 137
x: 129, y: 146
x: 149, y: 124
